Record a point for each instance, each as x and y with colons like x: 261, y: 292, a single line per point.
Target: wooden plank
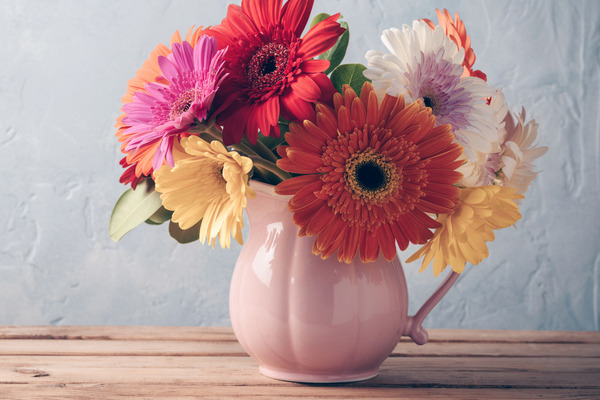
x: 215, y: 348
x: 512, y: 336
x: 182, y: 333
x: 448, y: 372
x: 180, y: 391
x: 199, y: 362
x: 109, y: 348
x: 226, y: 334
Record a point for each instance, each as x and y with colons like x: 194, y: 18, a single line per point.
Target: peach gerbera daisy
x: 208, y: 184
x: 463, y: 234
x: 373, y: 174
x: 519, y: 150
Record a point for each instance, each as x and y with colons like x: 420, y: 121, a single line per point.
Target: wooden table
x: 185, y: 363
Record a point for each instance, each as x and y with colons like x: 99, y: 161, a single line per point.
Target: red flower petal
x: 347, y: 252
x: 314, y: 66
x: 320, y: 37
x: 357, y: 110
x: 264, y: 13
x: 300, y: 138
x: 267, y: 114
x: 239, y: 22
x: 327, y: 121
x: 327, y: 88
x: 293, y: 185
x: 319, y: 221
x: 295, y: 108
x: 235, y: 125
x: 387, y: 243
x: 330, y: 238
x: 295, y: 14
x: 304, y: 158
x: 305, y: 88
x: 369, y: 248
x: 287, y: 165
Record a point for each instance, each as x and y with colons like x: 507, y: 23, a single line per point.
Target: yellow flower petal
x: 209, y: 184
x: 463, y: 235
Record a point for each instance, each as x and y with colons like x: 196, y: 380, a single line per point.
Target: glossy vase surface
x: 306, y: 319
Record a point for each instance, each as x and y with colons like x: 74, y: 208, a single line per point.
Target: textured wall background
x: 64, y: 68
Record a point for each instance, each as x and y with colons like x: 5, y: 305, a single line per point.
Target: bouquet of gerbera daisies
x: 416, y: 147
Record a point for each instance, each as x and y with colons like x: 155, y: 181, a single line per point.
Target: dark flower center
x: 371, y: 176
x: 218, y: 174
x: 267, y: 65
x: 430, y: 100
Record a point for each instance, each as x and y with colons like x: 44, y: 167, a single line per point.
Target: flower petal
x: 320, y: 37
x: 295, y: 15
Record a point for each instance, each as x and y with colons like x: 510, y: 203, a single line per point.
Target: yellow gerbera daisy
x: 209, y: 184
x: 463, y: 234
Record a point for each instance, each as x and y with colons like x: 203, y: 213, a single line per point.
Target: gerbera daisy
x: 464, y: 233
x: 140, y: 161
x: 208, y: 184
x: 270, y: 67
x: 483, y: 168
x: 169, y: 103
x: 372, y: 175
x: 519, y: 151
x: 456, y: 31
x: 425, y: 64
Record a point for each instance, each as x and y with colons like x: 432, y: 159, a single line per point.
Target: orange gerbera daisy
x: 456, y: 31
x: 139, y: 163
x: 372, y: 175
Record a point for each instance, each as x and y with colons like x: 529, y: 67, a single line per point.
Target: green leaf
x: 184, y: 236
x: 160, y: 216
x: 133, y: 208
x: 318, y: 18
x: 349, y: 74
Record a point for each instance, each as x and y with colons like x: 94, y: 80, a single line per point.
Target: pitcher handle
x: 414, y: 328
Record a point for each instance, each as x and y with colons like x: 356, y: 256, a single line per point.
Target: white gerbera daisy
x: 519, y: 151
x: 424, y: 63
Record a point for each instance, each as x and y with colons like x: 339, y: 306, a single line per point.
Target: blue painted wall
x: 64, y: 68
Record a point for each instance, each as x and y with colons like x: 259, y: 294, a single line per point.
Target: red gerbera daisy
x: 373, y: 174
x: 270, y: 67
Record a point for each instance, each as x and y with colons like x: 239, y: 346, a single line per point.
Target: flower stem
x: 271, y: 167
x: 245, y: 149
x: 261, y: 149
x: 262, y: 157
x: 204, y: 131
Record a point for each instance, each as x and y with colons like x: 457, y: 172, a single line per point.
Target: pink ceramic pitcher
x: 305, y: 319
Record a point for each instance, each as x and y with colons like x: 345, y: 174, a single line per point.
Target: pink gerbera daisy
x: 270, y: 67
x: 170, y: 107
